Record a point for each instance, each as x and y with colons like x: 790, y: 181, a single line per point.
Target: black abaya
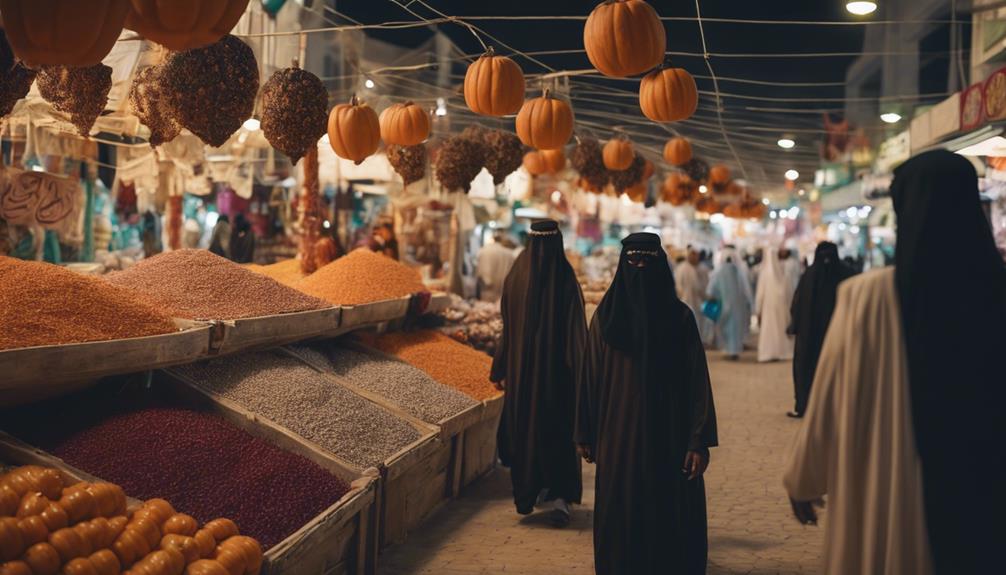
x: 539, y: 359
x: 813, y: 304
x: 644, y: 402
x: 951, y: 285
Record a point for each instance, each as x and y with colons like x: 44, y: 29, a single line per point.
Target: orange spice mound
x: 286, y: 272
x: 445, y: 360
x: 362, y: 276
x: 44, y: 304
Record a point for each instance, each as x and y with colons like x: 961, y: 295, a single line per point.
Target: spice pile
x: 475, y: 323
x: 43, y: 304
x: 408, y: 387
x: 286, y: 272
x: 445, y: 360
x: 197, y: 284
x: 290, y: 393
x: 362, y: 276
x: 204, y: 466
x: 46, y: 525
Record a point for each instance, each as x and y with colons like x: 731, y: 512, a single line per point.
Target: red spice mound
x: 445, y: 360
x: 362, y: 276
x: 197, y: 461
x: 43, y: 304
x: 197, y: 284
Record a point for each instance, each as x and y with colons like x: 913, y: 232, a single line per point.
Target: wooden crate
x: 35, y: 373
x: 479, y: 443
x: 369, y: 314
x: 233, y: 336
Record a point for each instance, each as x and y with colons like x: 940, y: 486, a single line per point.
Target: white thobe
x: 493, y: 265
x: 773, y: 299
x: 857, y: 443
x: 691, y: 283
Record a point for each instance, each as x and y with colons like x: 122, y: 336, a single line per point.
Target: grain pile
x: 197, y: 284
x: 286, y: 272
x: 445, y: 360
x: 43, y: 304
x: 362, y: 276
x: 290, y: 393
x: 409, y: 388
x: 201, y: 464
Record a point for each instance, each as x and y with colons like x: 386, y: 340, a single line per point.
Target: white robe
x: 691, y: 283
x: 773, y: 299
x: 857, y: 444
x: 494, y: 263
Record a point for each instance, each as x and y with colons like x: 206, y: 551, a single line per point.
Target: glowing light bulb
x: 891, y: 117
x: 703, y: 189
x: 252, y: 124
x: 786, y: 143
x: 369, y: 83
x: 792, y: 175
x: 861, y: 7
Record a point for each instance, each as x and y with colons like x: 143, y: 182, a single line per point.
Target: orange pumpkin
x: 129, y: 547
x: 637, y: 192
x: 252, y: 551
x: 184, y: 24
x: 618, y: 154
x: 54, y: 517
x: 181, y: 524
x: 97, y: 532
x: 494, y: 85
x: 63, y: 32
x: 719, y: 175
x: 15, y: 568
x: 206, y: 567
x: 9, y: 501
x: 624, y: 38
x: 545, y: 123
x: 222, y: 528
x: 161, y: 508
x: 110, y: 499
x: 32, y: 504
x: 33, y: 530
x: 677, y: 151
x: 206, y: 542
x: 678, y: 189
x: 232, y: 558
x: 554, y: 159
x: 11, y: 539
x: 187, y: 546
x: 69, y: 544
x: 149, y: 530
x: 79, y: 504
x: 80, y: 566
x: 43, y: 559
x: 354, y: 132
x: 106, y: 562
x: 404, y: 124
x: 535, y: 164
x: 668, y: 95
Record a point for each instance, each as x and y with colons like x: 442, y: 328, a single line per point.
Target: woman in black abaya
x: 813, y: 305
x: 645, y: 414
x: 537, y: 362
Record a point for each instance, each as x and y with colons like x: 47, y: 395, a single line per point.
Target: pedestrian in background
x: 773, y: 299
x: 729, y: 289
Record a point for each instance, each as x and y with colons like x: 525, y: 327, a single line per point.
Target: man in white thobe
x: 492, y: 267
x: 773, y: 299
x: 691, y: 281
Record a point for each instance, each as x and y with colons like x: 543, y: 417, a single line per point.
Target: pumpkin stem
x: 354, y: 100
x: 407, y: 103
x: 546, y: 93
x: 295, y: 63
x: 490, y: 51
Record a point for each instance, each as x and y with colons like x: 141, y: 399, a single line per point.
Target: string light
x: 786, y: 143
x: 861, y: 7
x: 703, y: 189
x: 369, y: 83
x: 792, y: 175
x: 891, y: 117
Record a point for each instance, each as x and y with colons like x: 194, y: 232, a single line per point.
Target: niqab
x: 953, y: 322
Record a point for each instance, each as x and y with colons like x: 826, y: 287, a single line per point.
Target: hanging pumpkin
x: 545, y: 123
x: 719, y: 175
x: 494, y: 85
x: 624, y: 38
x: 733, y: 189
x: 668, y: 95
x: 554, y: 159
x: 184, y: 24
x: 535, y: 163
x: 618, y: 154
x: 708, y: 205
x: 678, y: 189
x: 677, y: 151
x: 354, y: 132
x: 63, y: 32
x: 404, y: 124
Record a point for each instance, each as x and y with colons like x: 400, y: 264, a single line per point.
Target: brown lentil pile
x: 204, y: 466
x: 408, y: 387
x: 362, y: 276
x: 43, y: 304
x: 80, y: 92
x: 294, y: 111
x: 290, y: 393
x: 147, y: 100
x: 445, y: 360
x: 211, y: 91
x: 196, y: 284
x: 286, y: 272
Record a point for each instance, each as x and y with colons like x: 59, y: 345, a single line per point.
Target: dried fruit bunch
x: 588, y: 160
x: 625, y: 179
x: 211, y: 91
x: 294, y: 111
x: 504, y: 154
x: 147, y: 101
x: 408, y: 161
x: 15, y: 78
x: 697, y: 169
x: 459, y: 160
x: 80, y: 92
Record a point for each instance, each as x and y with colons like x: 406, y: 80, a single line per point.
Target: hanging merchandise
x: 15, y: 78
x: 587, y: 159
x: 294, y: 111
x: 535, y: 164
x: 309, y: 213
x: 555, y: 159
x: 624, y: 38
x: 459, y: 160
x: 545, y: 123
x: 408, y: 161
x: 618, y: 153
x: 494, y: 85
x: 63, y: 32
x: 504, y: 154
x: 677, y: 151
x: 184, y: 24
x: 80, y: 92
x: 404, y: 124
x: 679, y: 189
x: 354, y: 131
x: 147, y: 102
x: 668, y: 95
x: 629, y: 177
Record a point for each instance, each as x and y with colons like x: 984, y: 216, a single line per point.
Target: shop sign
x: 972, y: 108
x: 995, y: 95
x: 893, y: 151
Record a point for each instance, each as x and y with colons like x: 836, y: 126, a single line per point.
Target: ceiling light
x: 765, y: 201
x: 773, y: 214
x: 801, y: 192
x: 252, y: 124
x: 441, y: 107
x: 703, y: 189
x: 792, y: 175
x: 369, y: 83
x: 861, y: 7
x: 786, y: 143
x: 891, y: 117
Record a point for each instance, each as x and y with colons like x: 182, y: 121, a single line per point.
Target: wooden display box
x: 233, y: 336
x: 368, y: 314
x: 36, y: 373
x: 479, y: 443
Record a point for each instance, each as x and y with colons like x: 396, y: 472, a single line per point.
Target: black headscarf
x: 951, y: 285
x: 814, y: 301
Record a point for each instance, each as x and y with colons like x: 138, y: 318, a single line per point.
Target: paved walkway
x: 750, y: 526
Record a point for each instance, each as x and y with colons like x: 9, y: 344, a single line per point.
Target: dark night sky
x: 764, y: 162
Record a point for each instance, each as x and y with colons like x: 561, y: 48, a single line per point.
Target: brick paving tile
x: 751, y: 530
